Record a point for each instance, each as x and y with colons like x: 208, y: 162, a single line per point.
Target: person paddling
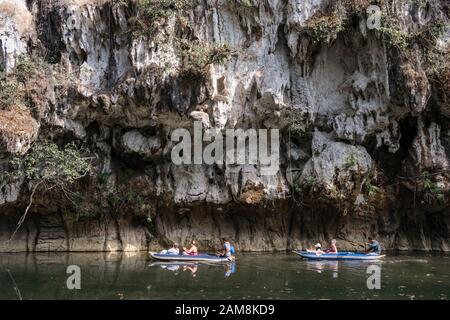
x: 192, y: 251
x: 374, y: 246
x: 227, y: 249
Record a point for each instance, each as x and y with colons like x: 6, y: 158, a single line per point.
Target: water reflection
x: 321, y: 266
x: 176, y: 267
x: 193, y: 267
x: 230, y: 269
x: 268, y: 276
x: 16, y: 288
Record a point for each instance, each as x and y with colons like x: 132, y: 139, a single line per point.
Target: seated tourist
x: 317, y: 249
x: 192, y: 251
x: 332, y: 249
x: 173, y: 250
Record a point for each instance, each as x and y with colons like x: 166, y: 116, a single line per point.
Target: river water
x: 253, y: 276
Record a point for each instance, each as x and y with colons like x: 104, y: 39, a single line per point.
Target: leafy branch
x: 48, y: 165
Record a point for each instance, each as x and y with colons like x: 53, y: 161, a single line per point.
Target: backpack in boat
x: 232, y: 251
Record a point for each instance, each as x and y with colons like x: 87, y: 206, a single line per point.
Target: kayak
x: 339, y: 256
x: 165, y: 264
x: 197, y: 258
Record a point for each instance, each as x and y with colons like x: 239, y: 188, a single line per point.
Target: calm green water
x: 262, y: 276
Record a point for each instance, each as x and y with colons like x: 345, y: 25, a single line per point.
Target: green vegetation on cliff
x: 196, y: 57
x: 152, y: 13
x: 53, y: 168
x: 46, y: 161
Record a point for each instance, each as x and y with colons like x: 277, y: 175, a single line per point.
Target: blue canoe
x: 165, y: 264
x: 197, y: 258
x: 339, y: 256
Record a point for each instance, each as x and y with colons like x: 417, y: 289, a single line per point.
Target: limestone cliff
x: 364, y: 116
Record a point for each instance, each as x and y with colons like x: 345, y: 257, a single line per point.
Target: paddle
x: 358, y: 244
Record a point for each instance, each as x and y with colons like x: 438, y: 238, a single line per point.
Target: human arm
x: 332, y: 249
x: 188, y: 250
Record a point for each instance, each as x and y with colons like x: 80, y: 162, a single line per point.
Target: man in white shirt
x: 173, y: 250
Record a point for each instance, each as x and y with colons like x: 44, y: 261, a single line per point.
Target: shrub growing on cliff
x: 372, y: 190
x: 25, y: 68
x: 392, y: 33
x: 242, y: 6
x: 48, y: 162
x: 298, y: 123
x: 54, y: 168
x: 426, y: 38
x: 368, y: 184
x: 162, y: 9
x: 16, y: 86
x: 311, y: 181
x: 395, y: 37
x: 431, y: 189
x: 436, y: 59
x: 325, y: 28
x: 11, y: 85
x: 351, y: 160
x: 153, y: 12
x: 245, y: 3
x: 9, y: 91
x: 357, y: 6
x: 11, y: 170
x: 195, y: 58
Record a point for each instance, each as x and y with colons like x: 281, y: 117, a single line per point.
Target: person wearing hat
x: 374, y: 246
x: 173, y: 250
x: 227, y: 249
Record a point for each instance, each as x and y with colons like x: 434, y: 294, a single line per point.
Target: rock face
x: 363, y: 116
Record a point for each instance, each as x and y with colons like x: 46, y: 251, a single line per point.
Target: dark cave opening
x: 392, y: 163
x: 50, y: 33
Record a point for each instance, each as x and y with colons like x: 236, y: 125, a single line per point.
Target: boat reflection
x: 193, y: 267
x: 230, y: 269
x: 321, y: 266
